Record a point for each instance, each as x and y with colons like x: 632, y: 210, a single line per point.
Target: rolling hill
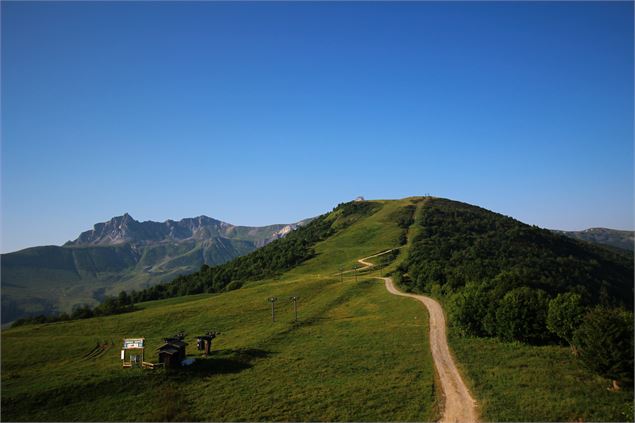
x: 611, y: 237
x: 121, y: 254
x: 356, y: 352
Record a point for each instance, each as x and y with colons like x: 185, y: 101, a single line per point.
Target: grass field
x: 356, y: 354
x: 519, y: 382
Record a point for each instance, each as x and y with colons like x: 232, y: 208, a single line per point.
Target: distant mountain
x: 125, y: 229
x: 610, y: 237
x: 122, y: 253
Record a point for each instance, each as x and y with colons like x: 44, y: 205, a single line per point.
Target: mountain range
x: 126, y: 254
x: 611, y: 237
x: 119, y: 254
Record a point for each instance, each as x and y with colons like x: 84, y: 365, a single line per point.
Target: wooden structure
x: 204, y: 342
x: 147, y: 365
x: 132, y: 345
x: 173, y: 351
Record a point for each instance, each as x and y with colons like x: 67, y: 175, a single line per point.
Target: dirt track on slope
x: 459, y: 406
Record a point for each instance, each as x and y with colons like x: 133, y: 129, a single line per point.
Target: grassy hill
x: 356, y: 354
x: 354, y: 350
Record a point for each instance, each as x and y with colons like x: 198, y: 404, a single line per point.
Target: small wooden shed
x: 172, y: 353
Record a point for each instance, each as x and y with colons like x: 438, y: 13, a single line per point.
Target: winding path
x: 459, y: 406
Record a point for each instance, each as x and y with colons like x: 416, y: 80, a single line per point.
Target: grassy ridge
x: 357, y: 353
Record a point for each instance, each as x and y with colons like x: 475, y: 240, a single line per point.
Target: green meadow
x: 356, y: 353
x: 519, y: 382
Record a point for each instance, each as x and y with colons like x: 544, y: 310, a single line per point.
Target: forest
x: 502, y: 278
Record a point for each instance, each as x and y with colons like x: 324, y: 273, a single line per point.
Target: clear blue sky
x: 259, y: 113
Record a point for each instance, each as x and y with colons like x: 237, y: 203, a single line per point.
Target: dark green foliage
x: 233, y: 285
x: 266, y: 262
x: 111, y: 305
x: 604, y: 342
x: 404, y: 216
x: 385, y: 259
x: 565, y: 315
x: 460, y: 245
x: 469, y: 309
x: 522, y: 315
x: 356, y: 209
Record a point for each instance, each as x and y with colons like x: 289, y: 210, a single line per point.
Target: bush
x: 565, y: 315
x: 521, y: 316
x: 82, y: 312
x: 604, y: 341
x: 468, y: 308
x: 233, y: 285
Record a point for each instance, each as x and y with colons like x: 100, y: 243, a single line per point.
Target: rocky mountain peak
x: 125, y: 229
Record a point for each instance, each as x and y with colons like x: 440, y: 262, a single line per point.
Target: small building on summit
x: 360, y: 198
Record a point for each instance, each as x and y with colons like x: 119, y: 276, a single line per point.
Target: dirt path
x: 459, y: 406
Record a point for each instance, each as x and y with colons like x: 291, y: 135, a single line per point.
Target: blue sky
x: 260, y: 113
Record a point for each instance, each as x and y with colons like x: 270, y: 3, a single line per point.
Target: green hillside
x: 44, y: 280
x: 357, y: 353
x: 260, y: 370
x: 459, y: 243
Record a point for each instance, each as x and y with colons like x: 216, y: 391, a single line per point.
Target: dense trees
x: 522, y: 283
x: 604, y: 342
x: 565, y: 315
x: 522, y: 315
x: 483, y: 310
x: 500, y: 274
x: 459, y: 243
x: 404, y: 217
x: 469, y: 310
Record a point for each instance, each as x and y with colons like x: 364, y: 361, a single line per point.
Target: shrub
x: 522, y: 314
x: 604, y: 341
x: 233, y: 285
x: 468, y: 308
x: 565, y: 315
